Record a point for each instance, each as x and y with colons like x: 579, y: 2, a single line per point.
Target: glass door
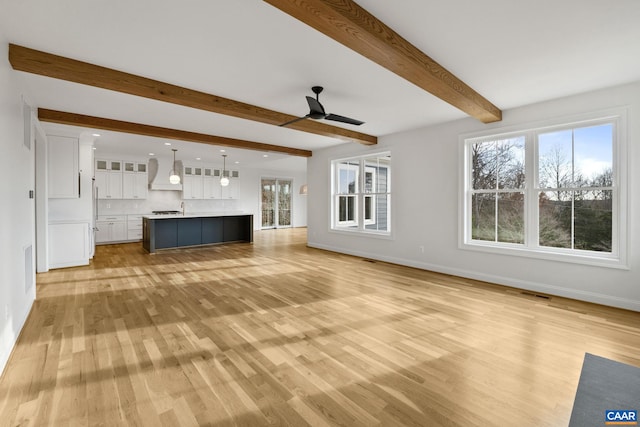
x: 276, y: 202
x: 284, y: 203
x: 268, y: 203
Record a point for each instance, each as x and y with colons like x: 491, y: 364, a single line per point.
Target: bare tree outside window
x: 497, y: 201
x: 576, y: 178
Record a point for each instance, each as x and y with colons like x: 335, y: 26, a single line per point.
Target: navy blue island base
x: 164, y: 232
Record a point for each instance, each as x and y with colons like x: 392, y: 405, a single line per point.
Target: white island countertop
x: 196, y: 215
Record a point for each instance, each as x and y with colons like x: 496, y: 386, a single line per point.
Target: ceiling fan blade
x: 294, y: 120
x: 342, y: 119
x: 315, y: 107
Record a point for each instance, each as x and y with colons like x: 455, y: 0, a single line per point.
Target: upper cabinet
x: 108, y: 165
x: 203, y: 182
x: 108, y: 175
x: 211, y: 183
x: 116, y: 179
x: 231, y: 191
x: 135, y: 182
x: 192, y: 184
x: 63, y: 169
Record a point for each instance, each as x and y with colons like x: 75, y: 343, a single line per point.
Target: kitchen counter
x: 194, y: 215
x: 195, y: 229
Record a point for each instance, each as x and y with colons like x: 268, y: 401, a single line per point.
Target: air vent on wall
x: 531, y: 294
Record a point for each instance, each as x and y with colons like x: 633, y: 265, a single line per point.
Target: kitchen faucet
x: 182, y: 207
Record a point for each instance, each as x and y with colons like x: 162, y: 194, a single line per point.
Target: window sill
x: 550, y: 254
x: 361, y: 233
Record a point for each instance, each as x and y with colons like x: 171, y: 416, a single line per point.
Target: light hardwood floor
x: 276, y: 333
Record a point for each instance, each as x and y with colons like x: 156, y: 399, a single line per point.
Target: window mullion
x: 573, y: 219
x: 496, y: 193
x: 495, y: 207
x: 360, y: 196
x: 531, y: 189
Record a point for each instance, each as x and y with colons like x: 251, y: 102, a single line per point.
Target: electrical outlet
x: 421, y: 248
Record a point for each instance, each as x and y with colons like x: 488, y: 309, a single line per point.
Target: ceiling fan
x: 316, y: 111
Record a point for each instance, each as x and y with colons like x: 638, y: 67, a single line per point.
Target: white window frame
x: 369, y: 195
x: 348, y: 222
x: 617, y: 258
x: 358, y: 225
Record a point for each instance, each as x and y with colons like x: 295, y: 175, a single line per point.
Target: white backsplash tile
x: 164, y: 200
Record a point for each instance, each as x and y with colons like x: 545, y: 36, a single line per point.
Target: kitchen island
x: 175, y: 231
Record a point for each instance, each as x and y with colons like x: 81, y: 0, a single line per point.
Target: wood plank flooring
x: 275, y: 333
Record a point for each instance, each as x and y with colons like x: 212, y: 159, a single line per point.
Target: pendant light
x: 224, y: 179
x: 174, y: 178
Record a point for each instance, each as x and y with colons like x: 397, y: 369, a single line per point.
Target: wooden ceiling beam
x: 351, y: 25
x: 59, y: 67
x: 73, y: 119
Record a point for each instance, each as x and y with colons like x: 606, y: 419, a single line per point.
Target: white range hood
x: 159, y: 170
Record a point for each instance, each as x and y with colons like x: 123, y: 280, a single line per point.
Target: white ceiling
x: 512, y: 52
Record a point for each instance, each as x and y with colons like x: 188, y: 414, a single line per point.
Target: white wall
x: 17, y: 213
x: 425, y: 207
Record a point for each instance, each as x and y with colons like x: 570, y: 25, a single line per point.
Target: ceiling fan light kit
x: 317, y: 111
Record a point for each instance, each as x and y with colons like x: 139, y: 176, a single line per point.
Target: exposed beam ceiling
x: 73, y: 119
x: 59, y: 67
x: 349, y: 24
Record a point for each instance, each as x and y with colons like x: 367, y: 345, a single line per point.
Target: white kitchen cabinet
x: 203, y: 182
x: 134, y: 227
x: 232, y: 191
x: 108, y: 174
x: 134, y: 167
x: 69, y: 243
x: 135, y: 185
x: 108, y: 165
x: 109, y: 184
x: 111, y: 228
x: 193, y: 184
x: 211, y: 184
x: 63, y: 169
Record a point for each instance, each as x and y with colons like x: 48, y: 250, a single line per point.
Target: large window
x: 554, y: 192
x: 361, y: 194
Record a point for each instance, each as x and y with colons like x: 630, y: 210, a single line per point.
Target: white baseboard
x: 11, y: 336
x: 593, y: 297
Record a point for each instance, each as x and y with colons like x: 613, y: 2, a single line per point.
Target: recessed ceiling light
x: 265, y: 155
x: 197, y: 158
x: 167, y: 143
x: 237, y: 163
x: 93, y: 148
x: 223, y: 151
x: 95, y: 134
x: 152, y: 154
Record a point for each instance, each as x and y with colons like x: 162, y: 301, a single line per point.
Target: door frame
x: 42, y: 201
x: 276, y: 217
